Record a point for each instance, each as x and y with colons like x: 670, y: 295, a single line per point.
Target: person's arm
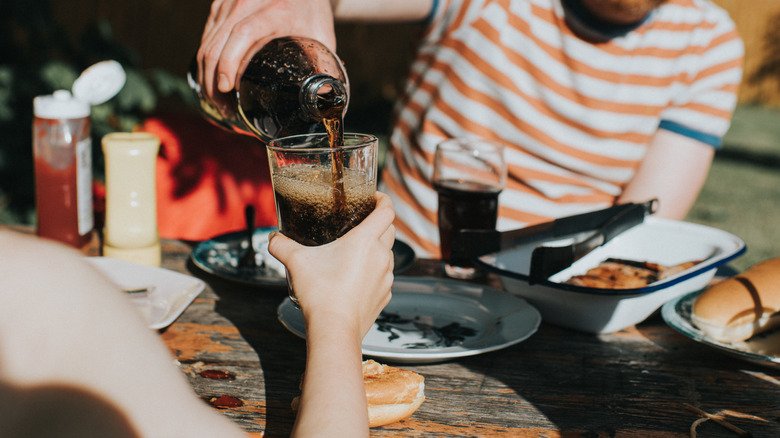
x: 65, y: 327
x: 674, y: 171
x: 382, y: 10
x: 341, y: 286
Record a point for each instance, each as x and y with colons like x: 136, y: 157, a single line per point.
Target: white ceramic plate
x: 431, y: 320
x: 763, y: 349
x: 168, y: 292
x: 597, y: 310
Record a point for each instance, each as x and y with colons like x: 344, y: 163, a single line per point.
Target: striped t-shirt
x: 576, y: 116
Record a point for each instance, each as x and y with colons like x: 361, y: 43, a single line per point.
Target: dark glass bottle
x: 290, y: 86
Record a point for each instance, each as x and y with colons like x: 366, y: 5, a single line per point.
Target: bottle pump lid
x: 97, y: 84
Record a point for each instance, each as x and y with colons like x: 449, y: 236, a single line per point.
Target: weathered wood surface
x: 559, y: 382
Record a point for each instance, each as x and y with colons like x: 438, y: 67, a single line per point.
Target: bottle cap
x: 60, y: 105
x: 95, y: 85
x: 100, y: 82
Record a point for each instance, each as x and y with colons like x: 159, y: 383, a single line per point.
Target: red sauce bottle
x: 62, y: 151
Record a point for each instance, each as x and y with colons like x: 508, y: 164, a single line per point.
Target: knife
x: 549, y: 260
x: 469, y: 244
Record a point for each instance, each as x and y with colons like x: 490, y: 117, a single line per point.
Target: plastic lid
x: 60, y: 105
x: 95, y: 85
x: 100, y: 82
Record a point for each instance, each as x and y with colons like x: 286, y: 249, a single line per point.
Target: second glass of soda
x: 468, y: 174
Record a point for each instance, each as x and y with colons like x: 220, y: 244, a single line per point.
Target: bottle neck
x: 324, y: 97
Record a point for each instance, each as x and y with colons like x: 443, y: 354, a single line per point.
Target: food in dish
x: 392, y: 393
x: 739, y: 307
x: 614, y: 273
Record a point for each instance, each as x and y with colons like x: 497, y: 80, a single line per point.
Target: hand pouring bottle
x: 288, y: 87
x: 62, y: 151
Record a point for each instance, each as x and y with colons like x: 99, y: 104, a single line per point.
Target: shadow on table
x: 62, y: 410
x: 282, y: 355
x: 606, y: 385
x: 635, y: 381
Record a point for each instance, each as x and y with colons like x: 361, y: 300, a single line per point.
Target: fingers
x: 208, y: 59
x: 388, y: 237
x: 383, y: 213
x: 229, y: 29
x: 217, y: 16
x: 377, y: 222
x: 241, y: 43
x: 386, y: 215
x: 389, y: 295
x: 282, y: 247
x: 383, y: 198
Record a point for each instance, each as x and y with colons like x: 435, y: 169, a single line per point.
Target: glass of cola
x: 321, y: 192
x: 468, y: 175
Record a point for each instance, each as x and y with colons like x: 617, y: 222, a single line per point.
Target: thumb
x: 281, y: 246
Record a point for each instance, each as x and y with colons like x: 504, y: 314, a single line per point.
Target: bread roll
x: 392, y: 393
x: 739, y: 307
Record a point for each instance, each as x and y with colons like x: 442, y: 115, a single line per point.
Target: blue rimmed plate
x: 219, y: 256
x: 762, y: 349
x: 432, y: 320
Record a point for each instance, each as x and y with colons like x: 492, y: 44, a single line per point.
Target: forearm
x: 333, y: 400
x: 62, y: 323
x: 381, y: 10
x: 673, y: 171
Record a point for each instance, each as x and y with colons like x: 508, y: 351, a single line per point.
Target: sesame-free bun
x: 739, y: 307
x: 392, y: 393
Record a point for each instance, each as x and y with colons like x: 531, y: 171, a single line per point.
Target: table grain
x: 633, y: 383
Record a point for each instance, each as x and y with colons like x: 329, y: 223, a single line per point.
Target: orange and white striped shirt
x: 576, y: 116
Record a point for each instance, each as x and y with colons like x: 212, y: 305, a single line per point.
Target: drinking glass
x: 468, y: 174
x: 322, y: 192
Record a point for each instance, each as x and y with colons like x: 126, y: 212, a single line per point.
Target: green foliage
x: 36, y: 59
x: 6, y: 79
x: 58, y: 75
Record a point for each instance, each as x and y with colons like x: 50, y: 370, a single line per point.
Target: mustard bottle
x: 131, y: 231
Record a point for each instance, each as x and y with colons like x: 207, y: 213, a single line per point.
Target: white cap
x: 100, y: 82
x: 60, y: 105
x: 97, y: 84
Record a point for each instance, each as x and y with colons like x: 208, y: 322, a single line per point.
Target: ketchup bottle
x: 62, y: 152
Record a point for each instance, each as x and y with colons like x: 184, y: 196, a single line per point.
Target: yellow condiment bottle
x: 131, y: 200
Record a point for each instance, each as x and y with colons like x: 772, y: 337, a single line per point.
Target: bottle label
x: 84, y: 185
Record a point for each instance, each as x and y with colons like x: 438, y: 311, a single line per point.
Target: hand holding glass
x: 468, y: 175
x: 322, y: 192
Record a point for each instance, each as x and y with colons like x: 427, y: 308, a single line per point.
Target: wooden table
x: 636, y: 382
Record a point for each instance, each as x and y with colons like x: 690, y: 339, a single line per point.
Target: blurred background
x: 45, y: 44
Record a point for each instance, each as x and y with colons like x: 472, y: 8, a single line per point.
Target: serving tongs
x: 547, y: 260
